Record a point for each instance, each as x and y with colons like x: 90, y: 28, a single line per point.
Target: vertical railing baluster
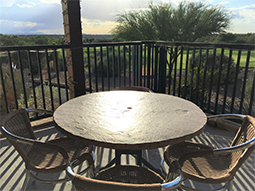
x: 244, y: 81
x: 156, y: 69
x: 12, y: 77
x: 175, y: 69
x: 152, y: 65
x: 211, y: 82
x: 149, y: 66
x: 180, y: 73
x: 144, y: 65
x: 227, y: 82
x: 65, y: 76
x: 134, y: 60
x: 137, y: 65
x: 57, y: 73
x: 170, y: 69
x: 41, y: 78
x: 32, y: 78
x: 219, y: 81
x: 198, y: 76
x: 96, y: 73
x: 113, y: 65
x: 4, y: 90
x: 49, y: 77
x: 108, y: 67
x: 192, y: 74
x: 129, y: 65
x: 102, y: 67
x: 235, y: 82
x: 125, y: 64
x: 22, y: 79
x: 204, y: 79
x: 89, y: 66
x: 119, y: 67
x: 186, y: 73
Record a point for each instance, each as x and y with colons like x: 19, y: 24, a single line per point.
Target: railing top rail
x: 157, y: 43
x: 112, y: 43
x: 36, y: 47
x: 233, y: 46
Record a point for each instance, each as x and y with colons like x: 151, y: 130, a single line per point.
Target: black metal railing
x: 219, y: 78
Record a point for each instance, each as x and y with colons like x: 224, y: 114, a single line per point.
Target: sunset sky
x: 99, y: 16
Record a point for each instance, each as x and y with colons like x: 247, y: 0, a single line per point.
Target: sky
x: 99, y: 16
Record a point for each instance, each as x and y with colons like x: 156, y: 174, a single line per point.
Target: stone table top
x: 130, y: 120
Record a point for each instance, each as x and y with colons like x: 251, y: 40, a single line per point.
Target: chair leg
x: 24, y: 186
x: 230, y: 185
x: 33, y: 182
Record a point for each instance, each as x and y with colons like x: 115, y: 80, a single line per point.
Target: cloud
x: 17, y: 27
x: 42, y: 17
x: 29, y: 5
x: 50, y: 1
x: 7, y: 3
x: 96, y: 26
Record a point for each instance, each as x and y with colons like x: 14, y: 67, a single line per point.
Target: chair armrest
x: 34, y: 142
x: 236, y: 148
x: 226, y: 116
x: 39, y: 110
x: 176, y: 182
x: 224, y: 121
x: 218, y: 151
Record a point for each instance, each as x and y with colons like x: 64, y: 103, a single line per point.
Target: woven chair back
x: 245, y: 133
x: 17, y: 123
x: 126, y: 177
x: 217, y: 168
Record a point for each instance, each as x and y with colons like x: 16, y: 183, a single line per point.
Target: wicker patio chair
x: 210, y: 165
x: 39, y: 156
x: 134, y: 88
x: 124, y: 177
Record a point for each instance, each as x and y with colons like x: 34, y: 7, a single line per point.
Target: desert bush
x: 215, y: 64
x: 25, y: 60
x: 39, y: 100
x: 7, y: 80
x: 201, y: 89
x: 112, y: 60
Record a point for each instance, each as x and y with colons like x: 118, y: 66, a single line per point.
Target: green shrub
x: 38, y: 93
x: 25, y: 60
x: 9, y: 87
x: 112, y: 73
x: 200, y: 72
x: 215, y: 64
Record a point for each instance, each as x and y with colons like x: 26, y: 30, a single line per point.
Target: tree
x: 226, y: 37
x: 188, y: 22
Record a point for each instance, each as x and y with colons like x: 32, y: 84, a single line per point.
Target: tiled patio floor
x: 12, y: 170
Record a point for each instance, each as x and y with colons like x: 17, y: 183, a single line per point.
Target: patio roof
x: 12, y: 171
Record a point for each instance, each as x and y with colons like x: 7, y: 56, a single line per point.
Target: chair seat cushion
x: 48, y: 161
x: 174, y: 152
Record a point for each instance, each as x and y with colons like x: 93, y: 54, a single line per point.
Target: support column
x: 73, y: 36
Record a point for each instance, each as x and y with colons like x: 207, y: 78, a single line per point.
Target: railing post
x: 162, y: 70
x: 73, y: 36
x: 134, y: 65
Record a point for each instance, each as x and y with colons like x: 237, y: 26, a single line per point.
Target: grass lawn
x: 243, y: 58
x: 226, y: 52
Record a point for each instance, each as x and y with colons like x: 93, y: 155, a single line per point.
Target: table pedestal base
x: 135, y: 153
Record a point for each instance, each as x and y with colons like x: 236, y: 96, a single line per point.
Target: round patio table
x: 130, y: 120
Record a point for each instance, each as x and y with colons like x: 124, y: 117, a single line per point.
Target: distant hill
x: 84, y: 36
x: 96, y: 36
